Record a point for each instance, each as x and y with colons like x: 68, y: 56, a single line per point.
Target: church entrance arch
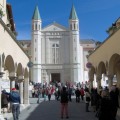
x: 55, y: 77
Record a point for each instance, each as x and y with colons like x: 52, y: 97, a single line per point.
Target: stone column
x: 49, y: 77
x: 21, y: 91
x: 1, y: 116
x: 110, y: 81
x: 47, y: 57
x: 12, y: 85
x: 26, y: 91
x: 12, y: 81
x: 98, y: 79
x: 63, y: 76
x: 90, y: 84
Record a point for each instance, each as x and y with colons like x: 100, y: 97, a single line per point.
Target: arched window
x: 36, y: 26
x: 32, y: 26
x: 70, y: 26
x: 74, y: 26
x: 55, y: 53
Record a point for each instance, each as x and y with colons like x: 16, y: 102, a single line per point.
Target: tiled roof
x: 87, y: 41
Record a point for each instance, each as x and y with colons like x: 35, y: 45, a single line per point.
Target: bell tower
x: 36, y: 46
x: 74, y: 45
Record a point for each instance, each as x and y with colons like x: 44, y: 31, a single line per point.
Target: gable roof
x: 56, y: 25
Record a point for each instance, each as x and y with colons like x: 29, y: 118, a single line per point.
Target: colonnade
x: 23, y: 89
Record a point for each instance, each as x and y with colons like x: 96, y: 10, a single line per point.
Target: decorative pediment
x: 55, y: 27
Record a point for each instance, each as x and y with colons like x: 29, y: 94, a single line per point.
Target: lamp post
x: 1, y: 75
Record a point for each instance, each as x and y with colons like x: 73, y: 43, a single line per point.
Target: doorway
x: 55, y: 77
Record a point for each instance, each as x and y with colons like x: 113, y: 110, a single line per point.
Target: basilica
x: 56, y: 52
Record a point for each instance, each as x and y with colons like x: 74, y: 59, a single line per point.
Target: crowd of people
x: 104, y: 102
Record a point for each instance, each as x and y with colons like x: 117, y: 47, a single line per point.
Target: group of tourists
x: 104, y: 102
x: 43, y: 92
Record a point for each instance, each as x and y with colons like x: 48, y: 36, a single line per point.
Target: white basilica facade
x: 56, y: 51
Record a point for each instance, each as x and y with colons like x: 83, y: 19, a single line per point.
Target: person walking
x: 87, y: 99
x: 94, y: 99
x: 77, y: 93
x: 39, y: 95
x: 114, y: 93
x: 70, y: 94
x: 105, y: 108
x: 64, y: 103
x: 49, y: 94
x: 82, y: 93
x: 14, y: 97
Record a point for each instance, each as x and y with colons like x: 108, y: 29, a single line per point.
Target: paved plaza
x: 51, y: 111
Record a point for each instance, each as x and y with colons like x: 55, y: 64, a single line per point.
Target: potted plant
x: 1, y: 13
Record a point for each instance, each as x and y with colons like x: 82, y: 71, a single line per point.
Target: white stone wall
x: 70, y: 52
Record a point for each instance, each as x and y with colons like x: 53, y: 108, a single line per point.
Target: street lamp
x: 1, y: 75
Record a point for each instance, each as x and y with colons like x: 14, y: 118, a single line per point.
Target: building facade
x: 57, y: 53
x: 55, y: 50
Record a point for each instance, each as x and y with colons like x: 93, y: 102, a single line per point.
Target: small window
x: 74, y: 26
x: 71, y: 26
x: 77, y: 26
x: 53, y: 45
x: 35, y: 26
x: 57, y: 45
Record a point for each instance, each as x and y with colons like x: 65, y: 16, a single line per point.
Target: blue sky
x: 95, y: 16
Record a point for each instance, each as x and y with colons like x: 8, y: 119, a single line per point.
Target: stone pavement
x: 51, y: 111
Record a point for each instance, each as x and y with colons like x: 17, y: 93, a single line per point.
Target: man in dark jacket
x: 114, y: 93
x: 77, y: 93
x: 15, y: 102
x: 64, y: 102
